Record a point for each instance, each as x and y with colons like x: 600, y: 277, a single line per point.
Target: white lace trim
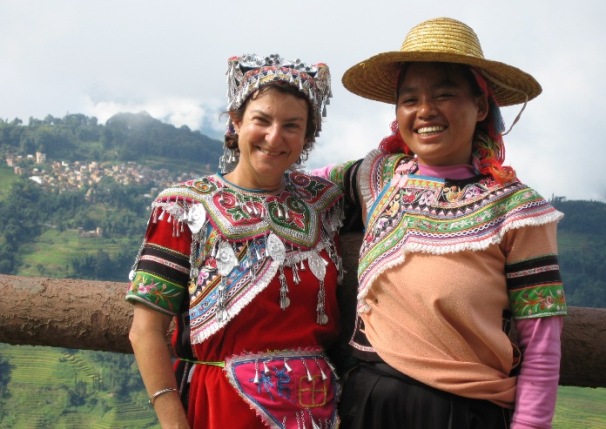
x: 400, y: 256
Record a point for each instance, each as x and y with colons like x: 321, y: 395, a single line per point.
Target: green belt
x: 199, y: 362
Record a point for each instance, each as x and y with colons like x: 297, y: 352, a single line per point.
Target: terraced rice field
x: 40, y: 386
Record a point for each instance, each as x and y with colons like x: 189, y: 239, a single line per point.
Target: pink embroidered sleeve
x: 540, y: 372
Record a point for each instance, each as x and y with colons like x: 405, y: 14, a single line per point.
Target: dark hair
x: 231, y: 138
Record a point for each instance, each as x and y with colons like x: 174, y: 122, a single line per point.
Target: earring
x: 228, y: 160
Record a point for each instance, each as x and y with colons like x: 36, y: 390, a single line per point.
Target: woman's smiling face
x: 437, y: 113
x: 271, y: 137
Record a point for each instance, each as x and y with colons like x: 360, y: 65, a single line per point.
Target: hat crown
x: 444, y: 35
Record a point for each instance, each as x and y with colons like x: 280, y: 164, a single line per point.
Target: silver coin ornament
x: 275, y: 248
x: 284, y: 302
x: 196, y: 217
x: 226, y: 258
x: 317, y: 265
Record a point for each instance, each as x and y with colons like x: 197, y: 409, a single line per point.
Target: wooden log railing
x: 93, y: 315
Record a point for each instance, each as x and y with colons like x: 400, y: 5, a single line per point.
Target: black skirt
x: 376, y: 396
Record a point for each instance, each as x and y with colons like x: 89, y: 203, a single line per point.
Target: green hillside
x: 124, y: 137
x: 7, y: 177
x: 582, y: 250
x: 51, y: 254
x: 65, y: 389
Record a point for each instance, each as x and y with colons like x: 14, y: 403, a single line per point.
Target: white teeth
x: 427, y: 130
x: 266, y: 152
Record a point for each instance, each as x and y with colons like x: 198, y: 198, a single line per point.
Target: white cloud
x: 176, y: 111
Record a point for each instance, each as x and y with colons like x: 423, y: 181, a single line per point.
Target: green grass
x: 51, y: 253
x: 580, y: 408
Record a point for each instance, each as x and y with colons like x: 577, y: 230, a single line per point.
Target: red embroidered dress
x: 252, y: 279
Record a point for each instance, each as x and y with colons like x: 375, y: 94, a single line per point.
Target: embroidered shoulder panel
x: 242, y: 240
x: 375, y: 169
x: 239, y: 215
x: 413, y: 213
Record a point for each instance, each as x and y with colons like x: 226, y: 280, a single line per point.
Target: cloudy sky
x: 169, y: 59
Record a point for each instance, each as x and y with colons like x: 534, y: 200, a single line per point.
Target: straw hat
x: 443, y: 40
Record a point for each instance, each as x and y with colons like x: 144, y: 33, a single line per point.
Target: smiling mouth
x: 430, y: 130
x: 268, y: 152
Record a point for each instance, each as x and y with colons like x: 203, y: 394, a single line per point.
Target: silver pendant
x: 317, y: 265
x: 322, y: 319
x: 226, y: 258
x: 196, y: 217
x: 275, y: 248
x: 284, y: 302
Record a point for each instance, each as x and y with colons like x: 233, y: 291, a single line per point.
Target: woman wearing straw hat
x: 454, y: 248
x: 246, y: 263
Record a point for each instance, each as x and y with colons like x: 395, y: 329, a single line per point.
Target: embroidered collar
x: 237, y: 214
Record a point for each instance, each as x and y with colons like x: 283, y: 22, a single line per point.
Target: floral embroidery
x: 538, y: 301
x: 156, y: 291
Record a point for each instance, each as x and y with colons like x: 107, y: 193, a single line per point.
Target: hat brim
x: 375, y: 78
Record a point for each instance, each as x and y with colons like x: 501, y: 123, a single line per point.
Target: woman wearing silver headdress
x: 246, y: 262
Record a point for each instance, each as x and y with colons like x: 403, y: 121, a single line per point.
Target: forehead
x: 274, y: 102
x: 435, y: 74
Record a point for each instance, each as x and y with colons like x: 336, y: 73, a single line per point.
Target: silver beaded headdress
x: 247, y: 73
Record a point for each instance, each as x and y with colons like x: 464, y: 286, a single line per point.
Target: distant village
x: 61, y: 176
